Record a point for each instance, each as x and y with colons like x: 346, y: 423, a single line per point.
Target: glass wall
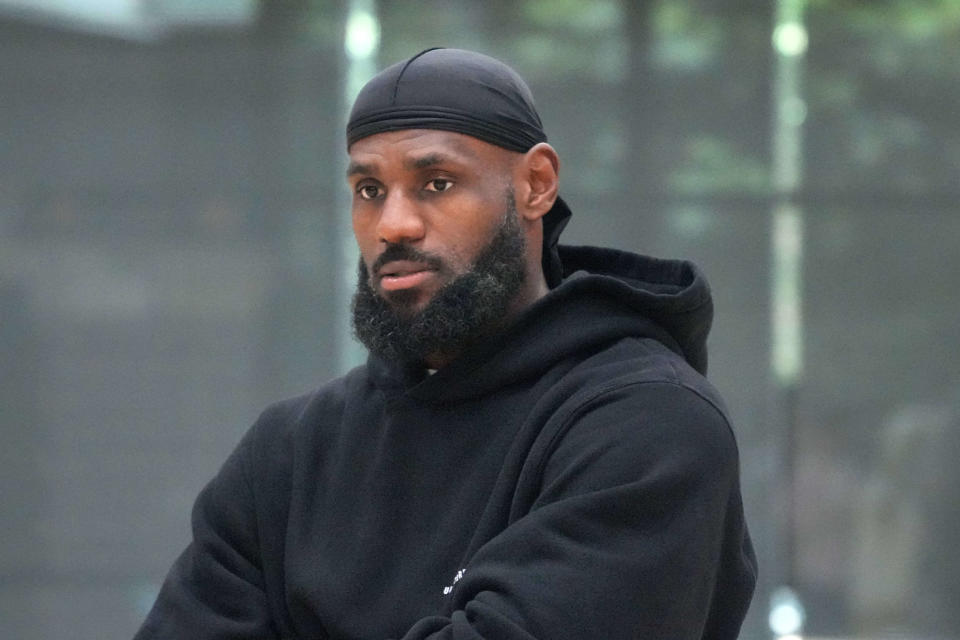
x: 172, y: 259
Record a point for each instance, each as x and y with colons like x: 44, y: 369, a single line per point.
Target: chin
x: 406, y: 301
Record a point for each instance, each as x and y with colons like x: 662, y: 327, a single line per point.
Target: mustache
x: 405, y: 252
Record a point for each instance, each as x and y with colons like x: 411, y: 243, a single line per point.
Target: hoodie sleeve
x: 215, y: 589
x: 636, y: 531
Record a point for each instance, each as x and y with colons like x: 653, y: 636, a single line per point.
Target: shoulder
x: 638, y: 406
x: 645, y: 375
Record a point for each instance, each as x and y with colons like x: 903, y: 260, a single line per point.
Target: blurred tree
x: 883, y: 93
x: 882, y: 151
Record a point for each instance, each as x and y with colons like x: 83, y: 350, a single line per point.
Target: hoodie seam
x: 584, y: 405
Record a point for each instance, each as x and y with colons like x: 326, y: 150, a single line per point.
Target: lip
x: 403, y: 274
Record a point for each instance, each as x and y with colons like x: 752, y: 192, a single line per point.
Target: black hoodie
x: 576, y: 478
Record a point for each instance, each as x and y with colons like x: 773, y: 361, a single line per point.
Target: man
x: 531, y: 450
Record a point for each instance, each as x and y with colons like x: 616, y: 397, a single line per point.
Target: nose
x: 400, y: 220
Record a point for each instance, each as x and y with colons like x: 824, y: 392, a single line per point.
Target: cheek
x: 365, y: 235
x: 462, y: 254
x: 466, y: 239
x: 455, y: 243
x: 361, y: 225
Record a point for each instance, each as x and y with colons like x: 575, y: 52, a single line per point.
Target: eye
x: 368, y: 191
x: 438, y: 185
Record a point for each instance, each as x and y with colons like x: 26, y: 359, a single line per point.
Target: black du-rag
x: 464, y: 92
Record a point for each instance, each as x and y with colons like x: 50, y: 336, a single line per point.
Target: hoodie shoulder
x: 636, y: 361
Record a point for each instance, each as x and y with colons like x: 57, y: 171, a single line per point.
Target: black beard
x: 466, y: 309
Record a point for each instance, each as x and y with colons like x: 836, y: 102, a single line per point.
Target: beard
x: 471, y: 306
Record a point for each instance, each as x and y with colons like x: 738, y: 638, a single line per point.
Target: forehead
x: 413, y: 147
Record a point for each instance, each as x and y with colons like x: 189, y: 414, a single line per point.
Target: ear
x: 538, y: 178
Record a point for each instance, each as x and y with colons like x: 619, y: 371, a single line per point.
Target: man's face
x: 439, y: 194
x: 442, y: 248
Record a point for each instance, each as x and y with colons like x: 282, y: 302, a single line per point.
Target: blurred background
x: 175, y: 254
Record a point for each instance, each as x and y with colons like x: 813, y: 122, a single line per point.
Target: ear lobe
x: 540, y: 168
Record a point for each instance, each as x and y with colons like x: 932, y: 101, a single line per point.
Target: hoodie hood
x: 606, y: 295
x: 674, y: 294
